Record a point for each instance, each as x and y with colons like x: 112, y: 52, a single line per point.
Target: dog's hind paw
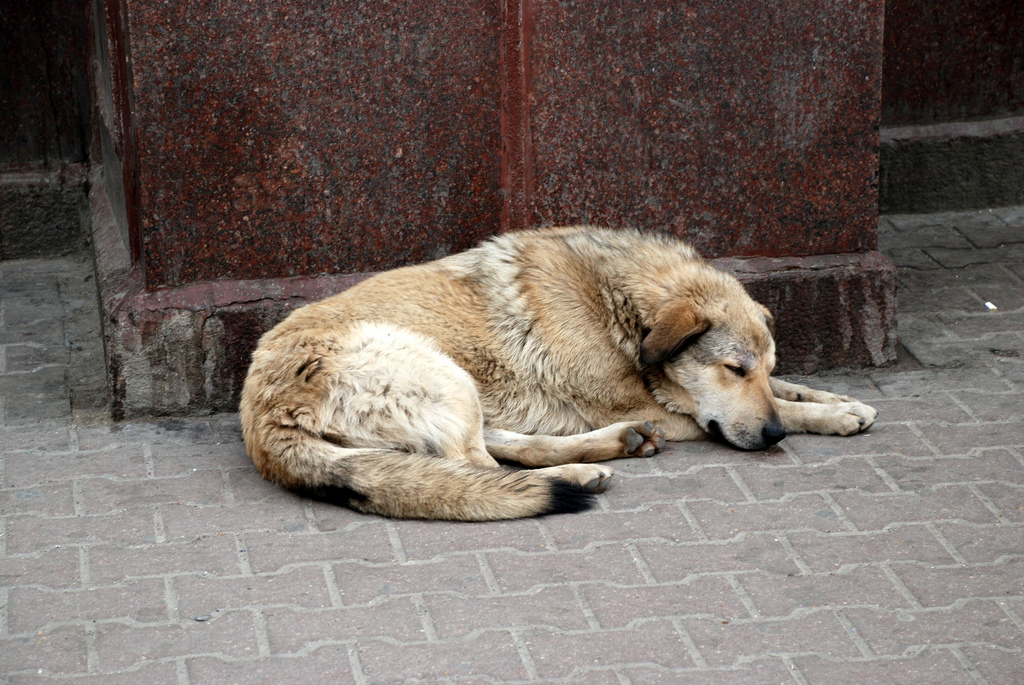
x: 644, y: 440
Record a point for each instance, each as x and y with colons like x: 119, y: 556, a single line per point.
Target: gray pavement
x: 152, y: 552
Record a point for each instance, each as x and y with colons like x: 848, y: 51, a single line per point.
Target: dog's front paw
x: 849, y: 418
x: 643, y: 440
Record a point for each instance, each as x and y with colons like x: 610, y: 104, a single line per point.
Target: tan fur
x: 553, y: 349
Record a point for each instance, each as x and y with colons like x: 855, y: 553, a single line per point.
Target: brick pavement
x: 152, y: 552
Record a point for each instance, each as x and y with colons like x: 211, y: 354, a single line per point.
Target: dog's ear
x: 769, y: 320
x: 677, y: 325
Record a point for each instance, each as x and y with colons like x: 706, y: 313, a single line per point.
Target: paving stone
x: 705, y: 483
x: 922, y: 411
x: 285, y: 515
x: 491, y: 654
x: 773, y: 482
x: 290, y: 630
x: 45, y: 499
x: 782, y: 595
x: 962, y: 438
x: 150, y: 674
x: 520, y: 572
x: 894, y: 632
x: 272, y: 551
x: 802, y: 512
x: 939, y: 586
x: 1007, y: 498
x: 327, y: 664
x: 359, y: 583
x: 120, y: 646
x: 555, y: 607
x: 31, y: 609
x: 53, y: 568
x: 939, y: 503
x: 176, y: 460
x: 30, y: 468
x: 724, y: 643
x: 761, y: 672
x: 897, y: 544
x: 45, y: 436
x: 558, y: 654
x: 32, y: 533
x: 199, y: 595
x: 660, y: 521
x: 217, y: 555
x: 922, y: 474
x: 997, y: 666
x: 745, y: 553
x: 984, y: 544
x: 618, y: 607
x: 428, y: 539
x: 61, y: 650
x: 930, y: 668
x: 882, y: 439
x: 101, y: 495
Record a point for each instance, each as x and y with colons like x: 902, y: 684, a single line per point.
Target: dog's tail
x: 409, y: 485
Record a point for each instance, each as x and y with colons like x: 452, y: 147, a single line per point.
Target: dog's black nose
x: 773, y: 433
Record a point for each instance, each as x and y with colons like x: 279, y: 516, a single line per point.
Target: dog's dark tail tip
x: 568, y: 498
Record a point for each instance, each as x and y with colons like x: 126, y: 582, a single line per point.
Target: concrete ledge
x: 960, y: 165
x: 43, y: 213
x: 186, y: 350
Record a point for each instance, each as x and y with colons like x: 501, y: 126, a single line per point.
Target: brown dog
x: 553, y: 349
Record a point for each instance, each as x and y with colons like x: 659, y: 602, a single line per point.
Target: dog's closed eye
x: 738, y: 370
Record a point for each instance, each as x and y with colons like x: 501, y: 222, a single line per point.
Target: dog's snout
x: 773, y: 433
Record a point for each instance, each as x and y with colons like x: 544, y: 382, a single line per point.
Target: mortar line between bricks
x: 691, y: 646
x: 171, y: 598
x: 883, y: 474
x: 225, y: 486
x: 588, y: 611
x: 793, y: 456
x: 84, y: 567
x: 396, y: 542
x: 546, y: 535
x: 488, y: 573
x: 963, y: 407
x: 698, y: 529
x: 920, y: 436
x: 623, y: 677
x: 160, y: 532
x: 741, y: 592
x: 1012, y: 615
x: 641, y: 564
x: 854, y: 634
x: 147, y: 457
x: 944, y: 541
x: 795, y: 672
x: 92, y: 652
x: 77, y: 497
x: 747, y: 492
x: 989, y: 504
x: 181, y: 671
x: 840, y: 514
x: 4, y: 608
x: 793, y: 554
x: 242, y: 553
x: 3, y: 473
x: 259, y: 627
x: 426, y: 620
x: 524, y: 655
x: 332, y: 587
x: 3, y: 536
x: 310, y: 515
x: 900, y: 586
x: 967, y: 665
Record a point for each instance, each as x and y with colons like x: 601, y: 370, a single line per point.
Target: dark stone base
x: 964, y: 165
x: 43, y: 213
x: 186, y: 350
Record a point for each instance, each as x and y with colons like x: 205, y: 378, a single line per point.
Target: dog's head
x: 711, y: 349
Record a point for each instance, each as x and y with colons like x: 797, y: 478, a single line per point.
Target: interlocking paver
x: 152, y: 551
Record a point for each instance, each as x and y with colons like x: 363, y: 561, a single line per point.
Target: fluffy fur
x: 554, y: 349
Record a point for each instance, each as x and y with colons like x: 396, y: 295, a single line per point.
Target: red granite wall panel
x: 302, y: 137
x: 952, y: 61
x: 746, y: 126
